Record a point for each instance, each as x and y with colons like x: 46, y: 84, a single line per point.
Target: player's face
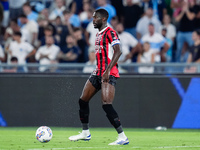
x: 97, y: 20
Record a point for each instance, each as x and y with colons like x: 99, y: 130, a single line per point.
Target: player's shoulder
x: 110, y: 29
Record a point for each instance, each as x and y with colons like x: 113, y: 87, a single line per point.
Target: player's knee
x: 106, y: 102
x: 83, y: 104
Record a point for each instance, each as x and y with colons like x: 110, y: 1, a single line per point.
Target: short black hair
x: 18, y: 34
x: 102, y: 12
x: 14, y: 59
x: 22, y: 16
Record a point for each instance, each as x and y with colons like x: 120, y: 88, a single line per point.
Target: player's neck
x: 102, y: 27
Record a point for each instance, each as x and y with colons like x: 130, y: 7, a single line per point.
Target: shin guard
x: 112, y: 115
x: 84, y: 111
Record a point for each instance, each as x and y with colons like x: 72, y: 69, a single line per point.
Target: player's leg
x: 108, y: 93
x: 88, y: 92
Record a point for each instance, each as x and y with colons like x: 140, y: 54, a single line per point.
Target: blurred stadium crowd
x: 61, y: 31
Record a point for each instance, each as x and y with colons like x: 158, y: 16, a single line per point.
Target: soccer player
x: 104, y: 78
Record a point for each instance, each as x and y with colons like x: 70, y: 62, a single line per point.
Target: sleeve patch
x: 115, y: 42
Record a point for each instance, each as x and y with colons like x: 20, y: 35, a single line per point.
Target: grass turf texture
x: 23, y: 138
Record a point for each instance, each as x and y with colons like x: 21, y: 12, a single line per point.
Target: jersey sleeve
x: 113, y: 38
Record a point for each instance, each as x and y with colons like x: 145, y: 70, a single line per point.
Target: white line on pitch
x: 161, y: 147
x: 166, y: 147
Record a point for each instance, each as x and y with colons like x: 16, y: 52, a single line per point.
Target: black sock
x: 113, y: 117
x: 84, y: 114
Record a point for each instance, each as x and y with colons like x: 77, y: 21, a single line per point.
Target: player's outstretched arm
x: 116, y: 55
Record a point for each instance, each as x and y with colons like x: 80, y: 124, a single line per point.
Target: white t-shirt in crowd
x: 31, y: 27
x: 171, y: 31
x: 52, y: 53
x: 156, y: 42
x: 146, y: 58
x: 20, y: 50
x: 143, y: 23
x: 83, y: 16
x: 127, y: 41
x: 1, y: 53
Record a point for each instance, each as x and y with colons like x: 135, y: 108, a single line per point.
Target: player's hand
x: 105, y: 77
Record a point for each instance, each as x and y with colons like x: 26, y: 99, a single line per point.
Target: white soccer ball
x: 44, y: 134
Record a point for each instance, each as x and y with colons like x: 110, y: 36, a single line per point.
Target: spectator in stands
x: 31, y: 15
x: 43, y: 23
x: 147, y: 56
x: 14, y: 27
x: 110, y: 9
x: 8, y: 36
x: 186, y: 26
x: 168, y: 55
x: 157, y: 41
x: 15, y: 8
x: 70, y: 52
x: 86, y: 15
x: 171, y: 29
x: 81, y: 43
x: 48, y: 31
x: 61, y: 31
x: 159, y: 8
x: 170, y: 35
x: 145, y: 4
x: 45, y: 13
x: 6, y: 13
x: 47, y: 54
x: 194, y: 55
x: 130, y: 10
x: 14, y: 66
x: 142, y: 24
x: 20, y: 49
x: 32, y: 28
x: 91, y: 64
x: 128, y: 44
x: 114, y: 22
x: 58, y: 11
x: 71, y: 18
x: 176, y: 6
x: 2, y: 55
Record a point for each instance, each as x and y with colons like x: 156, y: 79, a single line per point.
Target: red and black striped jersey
x: 105, y: 39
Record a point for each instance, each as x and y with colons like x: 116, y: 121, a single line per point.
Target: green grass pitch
x: 23, y: 138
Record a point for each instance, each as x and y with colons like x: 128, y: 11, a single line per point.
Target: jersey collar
x: 103, y: 29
